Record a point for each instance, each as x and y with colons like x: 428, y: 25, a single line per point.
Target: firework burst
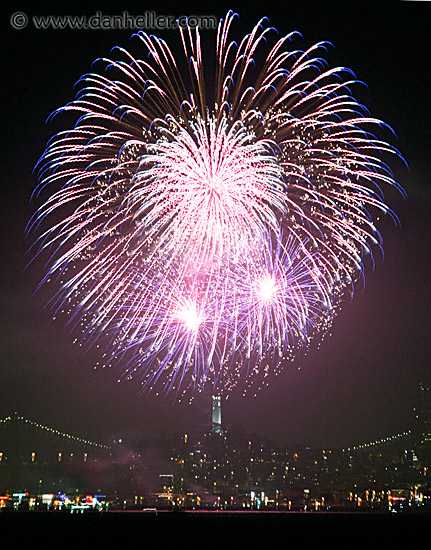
x: 210, y: 241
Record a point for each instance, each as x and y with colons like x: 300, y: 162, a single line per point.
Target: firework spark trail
x: 210, y: 241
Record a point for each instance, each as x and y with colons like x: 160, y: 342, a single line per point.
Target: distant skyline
x: 361, y: 383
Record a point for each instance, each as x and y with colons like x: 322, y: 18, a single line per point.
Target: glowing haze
x: 209, y: 242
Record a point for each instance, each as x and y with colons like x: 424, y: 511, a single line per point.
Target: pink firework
x: 209, y: 242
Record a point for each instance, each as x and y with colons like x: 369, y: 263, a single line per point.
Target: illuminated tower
x: 216, y: 415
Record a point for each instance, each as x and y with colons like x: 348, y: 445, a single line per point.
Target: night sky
x: 361, y: 383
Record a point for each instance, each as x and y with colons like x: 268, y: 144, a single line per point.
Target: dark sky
x: 362, y: 382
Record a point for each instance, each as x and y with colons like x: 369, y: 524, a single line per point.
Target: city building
x: 217, y: 469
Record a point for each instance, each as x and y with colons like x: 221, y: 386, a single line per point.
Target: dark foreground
x: 217, y: 529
